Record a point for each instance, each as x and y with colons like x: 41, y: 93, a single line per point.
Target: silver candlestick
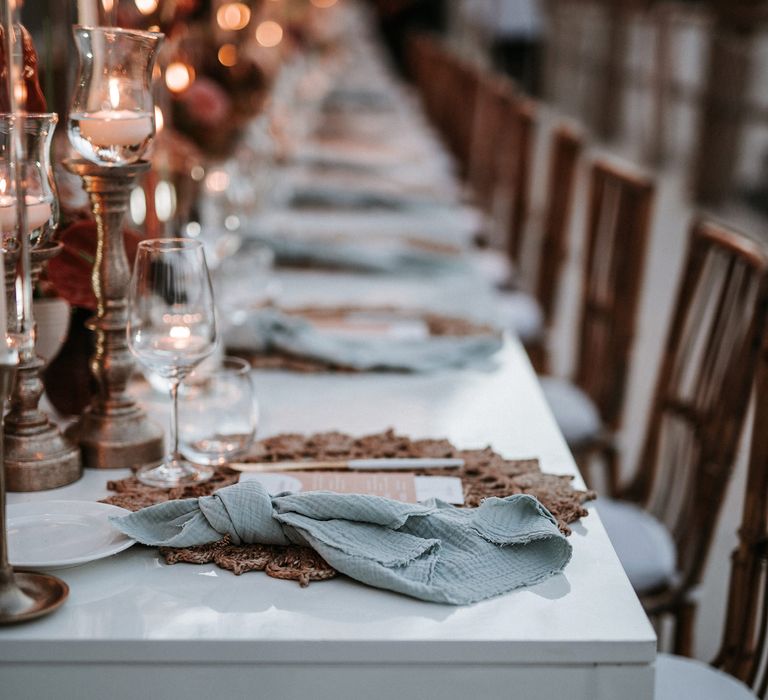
x: 23, y: 596
x: 114, y: 431
x: 37, y: 455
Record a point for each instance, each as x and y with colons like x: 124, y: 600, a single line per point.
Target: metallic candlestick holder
x: 113, y: 431
x: 23, y: 596
x: 37, y: 455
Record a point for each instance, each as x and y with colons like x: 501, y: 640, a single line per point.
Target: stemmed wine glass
x: 171, y: 329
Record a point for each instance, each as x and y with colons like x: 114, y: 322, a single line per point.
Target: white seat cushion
x: 678, y: 678
x: 645, y: 547
x: 521, y: 314
x: 574, y: 411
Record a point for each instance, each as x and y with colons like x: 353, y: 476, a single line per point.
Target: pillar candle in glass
x: 111, y: 120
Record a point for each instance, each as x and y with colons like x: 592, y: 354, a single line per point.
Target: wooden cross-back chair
x: 461, y: 81
x: 698, y: 411
x: 449, y: 85
x: 619, y: 214
x: 494, y: 94
x: 567, y: 144
x: 589, y: 408
x: 744, y: 646
x: 514, y: 171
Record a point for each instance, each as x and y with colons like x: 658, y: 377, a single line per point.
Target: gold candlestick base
x: 37, y: 455
x: 113, y: 432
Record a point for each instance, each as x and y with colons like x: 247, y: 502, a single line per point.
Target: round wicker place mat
x: 438, y: 325
x: 485, y: 473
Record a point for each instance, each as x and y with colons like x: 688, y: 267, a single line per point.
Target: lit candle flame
x: 114, y: 93
x: 159, y: 121
x: 3, y: 185
x: 179, y: 332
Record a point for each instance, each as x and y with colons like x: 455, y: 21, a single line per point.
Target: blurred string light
x: 217, y: 181
x: 269, y: 33
x: 138, y: 206
x: 323, y: 3
x: 228, y: 55
x: 233, y: 16
x: 146, y: 7
x: 165, y: 200
x: 179, y: 76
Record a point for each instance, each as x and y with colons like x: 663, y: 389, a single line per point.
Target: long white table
x: 134, y: 627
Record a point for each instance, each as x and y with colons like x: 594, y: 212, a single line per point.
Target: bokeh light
x: 179, y: 76
x: 233, y: 16
x: 146, y: 7
x: 269, y: 33
x: 228, y: 55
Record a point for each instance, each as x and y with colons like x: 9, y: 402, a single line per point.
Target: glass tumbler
x: 218, y: 413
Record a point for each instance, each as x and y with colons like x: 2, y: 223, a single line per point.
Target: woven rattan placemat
x: 485, y: 473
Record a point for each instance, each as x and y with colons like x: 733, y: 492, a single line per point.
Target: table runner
x: 485, y: 474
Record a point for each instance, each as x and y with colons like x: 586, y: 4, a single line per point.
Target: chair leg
x: 538, y: 355
x: 684, y: 616
x: 610, y: 455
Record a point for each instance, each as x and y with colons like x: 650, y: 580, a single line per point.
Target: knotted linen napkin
x: 395, y: 257
x: 432, y: 551
x: 269, y: 329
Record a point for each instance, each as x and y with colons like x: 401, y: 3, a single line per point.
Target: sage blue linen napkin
x: 432, y: 551
x: 393, y: 259
x: 269, y: 329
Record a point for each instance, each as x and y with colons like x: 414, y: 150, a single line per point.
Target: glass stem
x: 175, y: 454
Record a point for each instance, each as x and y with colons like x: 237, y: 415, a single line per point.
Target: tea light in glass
x: 112, y: 117
x: 36, y: 178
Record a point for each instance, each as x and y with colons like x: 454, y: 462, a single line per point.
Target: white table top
x: 132, y: 607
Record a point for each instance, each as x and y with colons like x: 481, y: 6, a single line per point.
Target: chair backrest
x: 618, y: 219
x: 744, y: 649
x: 494, y: 94
x: 566, y: 148
x: 449, y: 85
x: 514, y: 172
x: 703, y: 391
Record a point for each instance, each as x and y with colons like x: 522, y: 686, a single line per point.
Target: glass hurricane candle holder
x: 111, y: 120
x: 36, y: 178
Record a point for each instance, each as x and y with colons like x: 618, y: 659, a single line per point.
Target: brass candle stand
x: 23, y: 596
x: 113, y: 431
x: 37, y: 455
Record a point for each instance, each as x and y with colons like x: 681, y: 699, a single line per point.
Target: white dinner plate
x: 60, y: 534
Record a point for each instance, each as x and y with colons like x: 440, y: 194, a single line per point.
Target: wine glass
x: 171, y: 330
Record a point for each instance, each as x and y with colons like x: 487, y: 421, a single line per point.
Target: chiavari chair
x: 663, y: 524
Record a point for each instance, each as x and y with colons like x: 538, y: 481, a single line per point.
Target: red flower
x: 69, y: 273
